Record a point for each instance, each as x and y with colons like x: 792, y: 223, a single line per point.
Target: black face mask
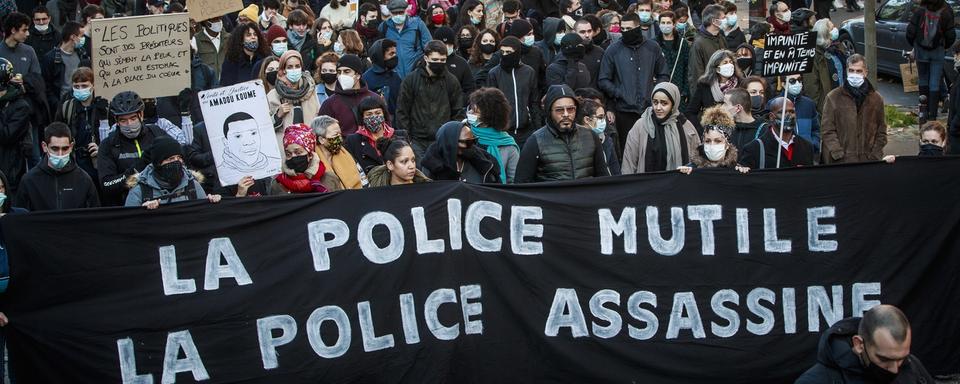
x: 745, y: 63
x: 488, y: 48
x: 328, y: 78
x: 373, y: 24
x: 391, y: 63
x: 756, y: 103
x: 930, y: 150
x: 876, y: 374
x: 465, y: 43
x: 633, y: 37
x: 511, y: 61
x: 437, y: 68
x: 298, y: 164
x: 574, y: 53
x: 170, y: 173
x: 272, y: 77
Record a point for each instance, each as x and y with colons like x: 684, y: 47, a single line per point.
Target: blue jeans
x: 930, y: 68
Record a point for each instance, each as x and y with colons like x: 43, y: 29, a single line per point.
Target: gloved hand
x: 185, y: 98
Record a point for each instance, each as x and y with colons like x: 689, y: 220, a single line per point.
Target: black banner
x: 714, y: 277
x: 789, y: 54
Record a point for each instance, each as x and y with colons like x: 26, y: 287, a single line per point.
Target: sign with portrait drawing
x: 241, y: 132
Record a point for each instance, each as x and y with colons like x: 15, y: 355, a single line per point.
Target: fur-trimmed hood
x: 148, y: 177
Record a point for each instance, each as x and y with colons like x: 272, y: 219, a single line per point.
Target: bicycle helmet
x: 6, y: 72
x: 125, y: 103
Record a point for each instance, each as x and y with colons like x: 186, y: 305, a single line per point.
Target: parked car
x: 893, y: 16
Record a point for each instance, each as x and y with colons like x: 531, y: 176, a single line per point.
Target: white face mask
x: 785, y: 17
x: 715, y: 152
x: 726, y: 70
x: 42, y: 27
x: 216, y: 26
x: 346, y: 82
x: 856, y: 80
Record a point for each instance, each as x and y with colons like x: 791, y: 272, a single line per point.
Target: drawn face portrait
x: 243, y: 140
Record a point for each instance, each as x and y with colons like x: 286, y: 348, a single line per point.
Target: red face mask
x: 615, y: 28
x: 438, y: 19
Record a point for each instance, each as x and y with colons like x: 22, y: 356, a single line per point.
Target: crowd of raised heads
x: 365, y: 94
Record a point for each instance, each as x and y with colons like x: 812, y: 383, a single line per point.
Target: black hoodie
x: 44, y: 188
x: 837, y: 362
x: 440, y: 159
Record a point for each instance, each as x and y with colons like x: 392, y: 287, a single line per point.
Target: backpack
x: 929, y: 29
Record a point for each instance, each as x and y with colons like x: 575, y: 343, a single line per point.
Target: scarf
x: 387, y: 132
x: 493, y: 140
x: 729, y: 84
x: 295, y: 39
x: 343, y: 166
x: 668, y: 127
x: 295, y: 96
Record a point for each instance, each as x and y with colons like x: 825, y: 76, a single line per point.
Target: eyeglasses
x: 566, y: 110
x: 794, y: 81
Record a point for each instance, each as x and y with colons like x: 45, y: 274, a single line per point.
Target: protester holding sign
x: 302, y: 169
x: 245, y: 47
x: 166, y: 179
x: 662, y: 138
x: 773, y: 142
x: 854, y: 126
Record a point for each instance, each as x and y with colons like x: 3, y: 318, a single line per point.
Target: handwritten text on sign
x: 788, y: 54
x: 149, y: 55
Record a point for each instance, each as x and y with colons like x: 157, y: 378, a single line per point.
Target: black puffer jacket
x: 550, y: 154
x: 837, y: 363
x: 15, y: 140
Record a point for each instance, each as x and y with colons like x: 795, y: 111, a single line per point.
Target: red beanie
x: 274, y: 32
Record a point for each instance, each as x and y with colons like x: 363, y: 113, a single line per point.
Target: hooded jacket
x: 380, y: 80
x: 546, y: 46
x: 440, y: 159
x: 427, y: 102
x: 550, y: 154
x: 120, y: 157
x: 521, y: 89
x: 837, y: 362
x: 564, y: 71
x: 628, y: 74
x: 44, y: 188
x: 43, y: 42
x: 343, y: 107
x: 145, y: 186
x: 14, y: 135
x: 704, y: 45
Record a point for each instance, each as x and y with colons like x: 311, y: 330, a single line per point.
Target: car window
x: 893, y: 10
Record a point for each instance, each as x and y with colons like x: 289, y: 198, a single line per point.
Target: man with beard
x: 872, y: 349
x: 559, y: 150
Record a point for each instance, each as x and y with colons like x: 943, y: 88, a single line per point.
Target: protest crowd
x: 369, y: 94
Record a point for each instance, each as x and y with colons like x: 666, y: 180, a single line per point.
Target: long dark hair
x: 235, y: 44
x: 476, y: 56
x: 390, y: 148
x: 464, y: 19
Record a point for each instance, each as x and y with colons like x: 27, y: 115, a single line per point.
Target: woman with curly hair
x: 245, y: 47
x: 485, y: 45
x: 488, y: 115
x: 716, y: 150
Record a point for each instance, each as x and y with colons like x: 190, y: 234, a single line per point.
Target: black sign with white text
x: 713, y: 277
x: 789, y: 54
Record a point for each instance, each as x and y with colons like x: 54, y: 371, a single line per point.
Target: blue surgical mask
x: 666, y: 29
x: 81, y: 43
x: 473, y: 120
x: 731, y: 20
x: 338, y: 48
x: 681, y: 27
x: 644, y: 16
x: 557, y: 39
x: 3, y: 197
x: 601, y: 126
x: 474, y: 20
x: 795, y: 88
x: 834, y: 34
x: 528, y: 40
x: 294, y: 75
x: 398, y: 19
x: 58, y: 162
x: 82, y: 94
x: 278, y: 48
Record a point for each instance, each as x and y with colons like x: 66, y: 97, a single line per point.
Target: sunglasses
x: 793, y: 81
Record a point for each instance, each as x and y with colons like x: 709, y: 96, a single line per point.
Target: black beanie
x: 446, y: 35
x: 351, y: 61
x: 519, y: 28
x: 163, y: 147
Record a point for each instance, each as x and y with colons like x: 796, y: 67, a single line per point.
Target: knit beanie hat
x: 162, y: 148
x: 300, y: 134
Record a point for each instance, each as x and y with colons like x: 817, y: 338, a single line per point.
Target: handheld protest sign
x: 149, y: 55
x: 201, y: 10
x: 240, y: 131
x: 789, y: 54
